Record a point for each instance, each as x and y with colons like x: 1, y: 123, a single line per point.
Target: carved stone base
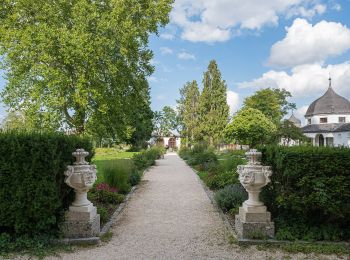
x: 254, y: 223
x: 82, y: 222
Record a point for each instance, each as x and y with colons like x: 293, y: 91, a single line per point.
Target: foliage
x: 147, y: 158
x: 165, y: 121
x: 38, y: 246
x: 80, y: 63
x: 231, y: 196
x: 14, y: 121
x: 287, y: 132
x: 250, y: 126
x: 271, y: 102
x: 188, y: 107
x: 116, y: 173
x: 135, y: 178
x: 103, y: 214
x: 309, y: 194
x: 213, y: 108
x: 33, y: 195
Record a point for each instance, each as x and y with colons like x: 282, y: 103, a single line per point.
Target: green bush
x: 185, y: 153
x: 147, y: 158
x: 309, y: 194
x: 33, y: 195
x: 231, y: 197
x: 105, y: 196
x: 135, y: 178
x: 103, y: 214
x: 117, y: 173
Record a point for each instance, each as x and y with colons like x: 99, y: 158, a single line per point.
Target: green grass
x: 111, y: 154
x: 105, y: 156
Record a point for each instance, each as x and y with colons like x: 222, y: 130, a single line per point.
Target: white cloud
x: 167, y: 36
x: 306, y: 80
x: 186, y: 56
x: 166, y: 50
x: 215, y: 21
x: 300, y: 113
x: 233, y: 101
x: 161, y: 97
x: 307, y: 43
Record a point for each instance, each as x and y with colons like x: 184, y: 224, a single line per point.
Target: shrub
x: 231, y: 196
x: 105, y: 196
x: 147, y: 158
x: 33, y: 195
x: 116, y: 173
x: 204, y: 160
x: 185, y: 153
x: 103, y: 214
x: 309, y: 194
x: 221, y: 179
x: 135, y: 178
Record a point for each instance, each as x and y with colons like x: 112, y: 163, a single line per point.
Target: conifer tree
x: 190, y: 111
x: 213, y: 108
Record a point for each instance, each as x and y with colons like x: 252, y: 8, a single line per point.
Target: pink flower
x: 106, y: 187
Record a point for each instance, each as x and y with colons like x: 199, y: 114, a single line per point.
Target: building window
x: 323, y: 120
x: 342, y: 119
x: 309, y: 121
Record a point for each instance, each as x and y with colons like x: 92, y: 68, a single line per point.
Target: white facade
x: 331, y: 119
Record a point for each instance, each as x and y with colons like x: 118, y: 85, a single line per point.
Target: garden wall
x: 33, y: 195
x: 310, y: 192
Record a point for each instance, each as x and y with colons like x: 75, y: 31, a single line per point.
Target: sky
x: 290, y: 44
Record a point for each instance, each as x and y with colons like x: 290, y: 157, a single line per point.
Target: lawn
x: 105, y: 156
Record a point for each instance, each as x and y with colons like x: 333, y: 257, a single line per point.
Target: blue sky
x: 291, y: 44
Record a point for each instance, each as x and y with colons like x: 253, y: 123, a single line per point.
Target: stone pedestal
x: 81, y: 224
x: 253, y: 220
x: 254, y: 223
x: 81, y: 220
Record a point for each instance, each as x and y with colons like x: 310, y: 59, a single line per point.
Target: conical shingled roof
x: 294, y: 120
x: 329, y: 103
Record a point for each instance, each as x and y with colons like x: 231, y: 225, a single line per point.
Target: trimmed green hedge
x: 310, y: 192
x: 33, y: 195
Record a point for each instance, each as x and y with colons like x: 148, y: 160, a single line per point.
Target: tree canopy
x: 213, y: 107
x: 188, y: 107
x: 81, y: 64
x: 250, y: 126
x: 272, y: 103
x: 165, y: 122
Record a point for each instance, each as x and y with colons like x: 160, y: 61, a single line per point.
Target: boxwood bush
x: 310, y: 192
x: 33, y: 195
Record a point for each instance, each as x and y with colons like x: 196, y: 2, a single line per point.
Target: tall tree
x: 165, y: 121
x: 272, y: 103
x: 79, y: 62
x: 188, y: 106
x: 250, y: 126
x: 213, y: 107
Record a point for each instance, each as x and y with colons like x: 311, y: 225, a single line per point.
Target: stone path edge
x: 242, y: 241
x: 106, y: 227
x: 210, y: 195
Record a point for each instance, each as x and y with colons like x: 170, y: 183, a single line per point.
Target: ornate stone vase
x: 82, y: 220
x: 254, y: 177
x: 253, y: 220
x: 81, y: 177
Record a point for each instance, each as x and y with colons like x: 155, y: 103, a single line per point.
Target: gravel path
x: 170, y: 217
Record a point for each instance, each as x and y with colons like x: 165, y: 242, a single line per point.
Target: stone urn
x: 253, y: 220
x: 81, y: 220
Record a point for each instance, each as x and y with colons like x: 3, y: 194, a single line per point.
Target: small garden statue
x: 82, y: 219
x: 253, y: 221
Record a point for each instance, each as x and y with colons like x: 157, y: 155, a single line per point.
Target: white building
x: 328, y: 120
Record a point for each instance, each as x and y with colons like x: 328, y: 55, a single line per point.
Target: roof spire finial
x: 330, y: 80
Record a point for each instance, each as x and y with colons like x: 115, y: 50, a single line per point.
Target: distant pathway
x: 170, y: 217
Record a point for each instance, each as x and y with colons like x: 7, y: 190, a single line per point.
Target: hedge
x: 33, y: 195
x: 310, y: 192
